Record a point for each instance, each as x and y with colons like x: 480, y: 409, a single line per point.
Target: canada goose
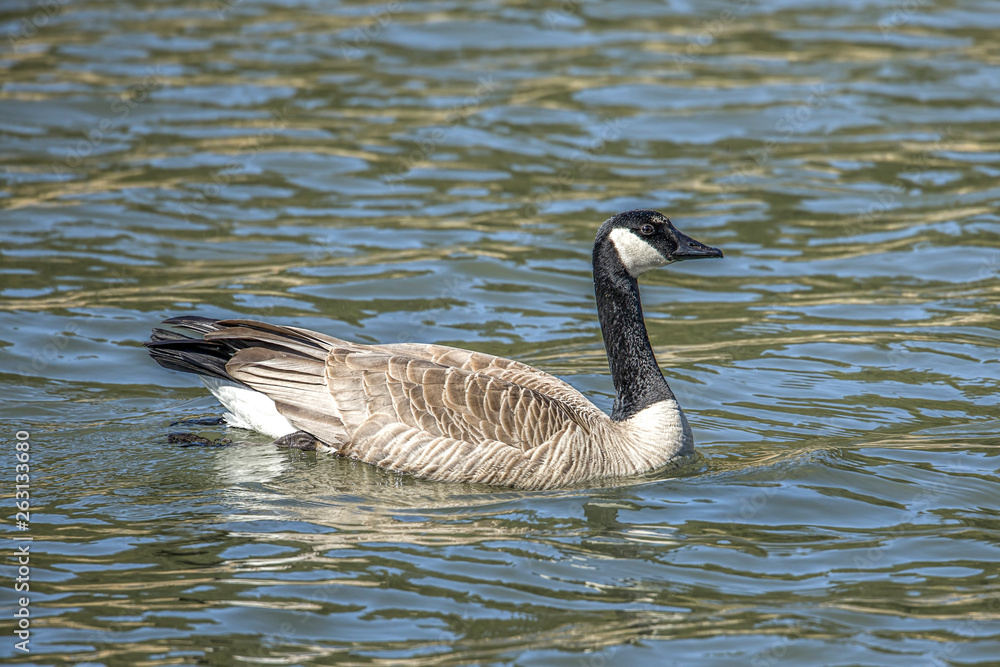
x: 448, y: 414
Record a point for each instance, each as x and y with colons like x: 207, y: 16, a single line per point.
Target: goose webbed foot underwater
x: 307, y: 442
x: 453, y: 415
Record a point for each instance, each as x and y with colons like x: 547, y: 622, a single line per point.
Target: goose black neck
x: 637, y: 377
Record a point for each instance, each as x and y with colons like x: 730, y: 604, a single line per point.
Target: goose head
x: 645, y: 240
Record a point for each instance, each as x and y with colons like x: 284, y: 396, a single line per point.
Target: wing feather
x: 513, y: 371
x: 297, y: 386
x: 442, y: 401
x: 430, y: 410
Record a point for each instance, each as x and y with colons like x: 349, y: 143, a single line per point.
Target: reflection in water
x: 401, y: 171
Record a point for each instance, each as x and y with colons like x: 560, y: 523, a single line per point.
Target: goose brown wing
x: 516, y: 372
x: 376, y: 387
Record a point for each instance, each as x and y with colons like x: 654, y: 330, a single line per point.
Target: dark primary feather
x: 178, y: 352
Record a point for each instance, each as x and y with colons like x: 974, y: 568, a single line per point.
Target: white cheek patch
x: 637, y: 255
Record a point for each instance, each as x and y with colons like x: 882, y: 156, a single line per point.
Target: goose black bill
x: 688, y: 248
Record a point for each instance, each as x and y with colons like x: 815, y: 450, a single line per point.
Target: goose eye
x: 647, y: 230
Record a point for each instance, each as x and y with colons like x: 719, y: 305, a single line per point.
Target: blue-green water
x: 435, y: 171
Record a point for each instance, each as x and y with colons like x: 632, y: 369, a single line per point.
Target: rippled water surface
x: 435, y: 171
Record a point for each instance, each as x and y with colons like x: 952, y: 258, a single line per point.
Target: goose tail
x: 178, y: 351
x: 266, y: 376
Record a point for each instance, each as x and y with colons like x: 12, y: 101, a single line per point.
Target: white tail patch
x: 637, y: 255
x: 249, y: 409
